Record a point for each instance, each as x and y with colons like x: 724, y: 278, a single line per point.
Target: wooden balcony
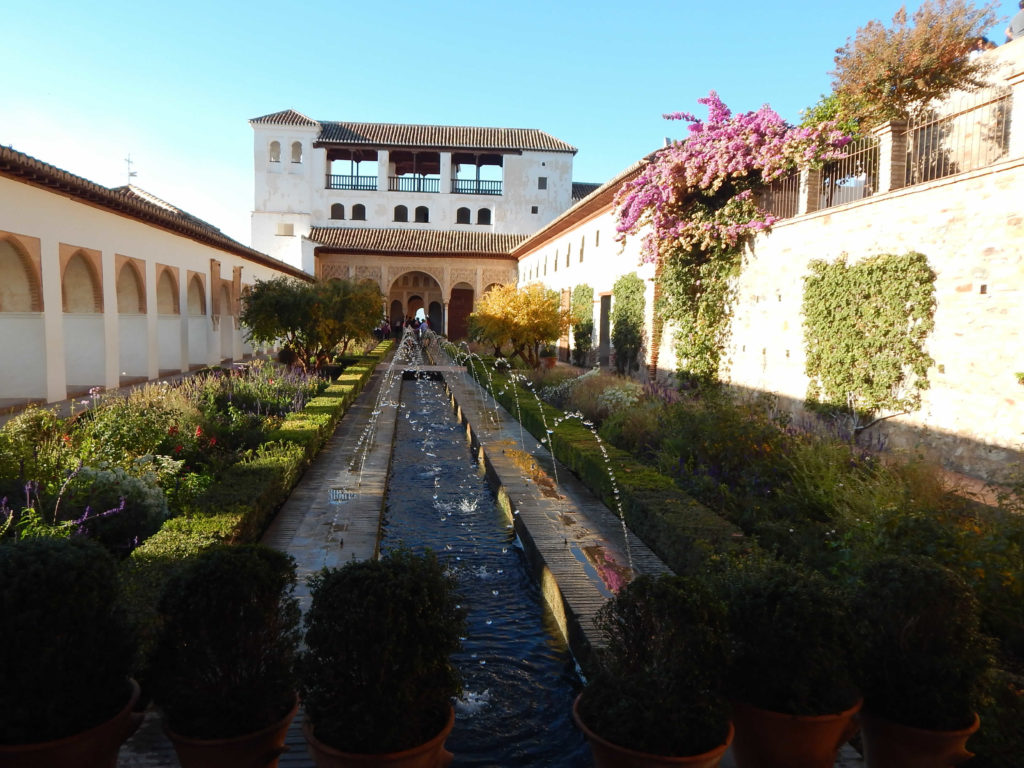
x: 365, y: 183
x: 413, y: 184
x: 474, y: 187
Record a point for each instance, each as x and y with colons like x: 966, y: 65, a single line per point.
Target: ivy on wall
x: 582, y: 323
x: 865, y: 329
x: 628, y: 322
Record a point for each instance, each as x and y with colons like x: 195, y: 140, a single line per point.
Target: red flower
x: 213, y: 441
x: 199, y: 431
x: 177, y: 449
x: 173, y: 430
x: 66, y: 439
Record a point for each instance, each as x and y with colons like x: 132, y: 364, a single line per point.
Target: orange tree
x: 519, y: 320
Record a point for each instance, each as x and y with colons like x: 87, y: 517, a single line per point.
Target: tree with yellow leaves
x: 519, y: 320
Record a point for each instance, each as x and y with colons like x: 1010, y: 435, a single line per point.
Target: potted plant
x: 223, y: 670
x: 548, y: 356
x: 376, y: 677
x: 790, y: 680
x: 66, y: 698
x: 657, y: 697
x: 922, y: 661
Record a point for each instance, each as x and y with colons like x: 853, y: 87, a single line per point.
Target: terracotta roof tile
x: 441, y: 137
x: 285, y: 117
x: 581, y: 189
x: 415, y: 241
x: 130, y: 202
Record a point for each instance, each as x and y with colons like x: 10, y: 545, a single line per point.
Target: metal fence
x: 971, y: 133
x: 413, y: 184
x: 781, y: 198
x: 851, y: 177
x: 335, y: 181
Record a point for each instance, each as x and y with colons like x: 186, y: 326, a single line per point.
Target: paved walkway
x: 577, y: 548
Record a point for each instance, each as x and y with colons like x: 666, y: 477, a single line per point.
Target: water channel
x: 519, y: 677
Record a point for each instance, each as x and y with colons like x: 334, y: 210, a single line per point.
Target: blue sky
x: 174, y: 85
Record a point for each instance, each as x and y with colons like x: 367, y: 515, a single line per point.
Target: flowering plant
x: 695, y: 204
x: 697, y: 193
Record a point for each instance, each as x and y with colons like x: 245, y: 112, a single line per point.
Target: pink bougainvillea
x: 697, y: 193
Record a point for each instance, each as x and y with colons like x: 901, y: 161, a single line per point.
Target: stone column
x: 1016, y: 83
x: 810, y: 190
x: 383, y: 169
x: 53, y: 320
x: 111, y: 321
x: 892, y: 155
x: 446, y: 174
x: 444, y: 314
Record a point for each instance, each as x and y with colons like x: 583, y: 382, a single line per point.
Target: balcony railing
x: 853, y: 177
x: 366, y: 183
x: 976, y: 134
x: 474, y: 187
x: 781, y: 198
x: 413, y: 184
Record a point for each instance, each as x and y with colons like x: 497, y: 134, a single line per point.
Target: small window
x: 462, y: 216
x: 542, y: 182
x: 422, y: 214
x: 483, y: 216
x: 359, y: 212
x: 555, y: 262
x: 337, y: 211
x: 275, y: 151
x: 545, y: 265
x: 401, y: 213
x: 286, y: 230
x: 583, y: 242
x: 597, y: 238
x: 533, y: 209
x: 567, y: 258
x: 296, y: 151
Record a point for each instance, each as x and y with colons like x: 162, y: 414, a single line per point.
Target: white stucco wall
x: 86, y: 350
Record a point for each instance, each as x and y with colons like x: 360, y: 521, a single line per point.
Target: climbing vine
x: 628, y: 322
x: 865, y: 329
x: 694, y: 204
x: 582, y: 323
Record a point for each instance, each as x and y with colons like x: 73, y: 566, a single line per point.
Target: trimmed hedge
x: 677, y: 528
x: 238, y: 508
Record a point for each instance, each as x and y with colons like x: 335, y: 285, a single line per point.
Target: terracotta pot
x: 96, y: 747
x: 549, y: 362
x: 766, y: 739
x: 891, y: 745
x: 260, y: 749
x: 431, y: 754
x: 608, y: 755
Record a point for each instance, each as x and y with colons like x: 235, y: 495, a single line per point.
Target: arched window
x: 19, y: 288
x: 196, y: 297
x: 275, y: 151
x: 401, y: 213
x: 131, y: 299
x: 462, y: 216
x: 483, y: 216
x: 81, y: 287
x: 296, y: 151
x: 337, y: 211
x: 359, y: 212
x: 422, y: 214
x: 166, y: 294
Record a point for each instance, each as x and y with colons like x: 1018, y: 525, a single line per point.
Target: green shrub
x: 65, y: 649
x: 639, y: 431
x: 229, y: 634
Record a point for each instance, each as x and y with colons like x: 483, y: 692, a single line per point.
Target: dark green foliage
x: 697, y: 296
x: 639, y: 430
x: 376, y: 675
x: 660, y: 683
x: 582, y: 324
x: 627, y: 320
x: 230, y: 630
x: 678, y: 529
x: 791, y: 630
x: 865, y: 329
x: 65, y: 651
x: 922, y: 657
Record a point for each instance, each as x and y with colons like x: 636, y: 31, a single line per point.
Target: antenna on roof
x: 131, y: 174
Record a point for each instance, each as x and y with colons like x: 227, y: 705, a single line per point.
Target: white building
x: 431, y: 213
x: 102, y: 287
